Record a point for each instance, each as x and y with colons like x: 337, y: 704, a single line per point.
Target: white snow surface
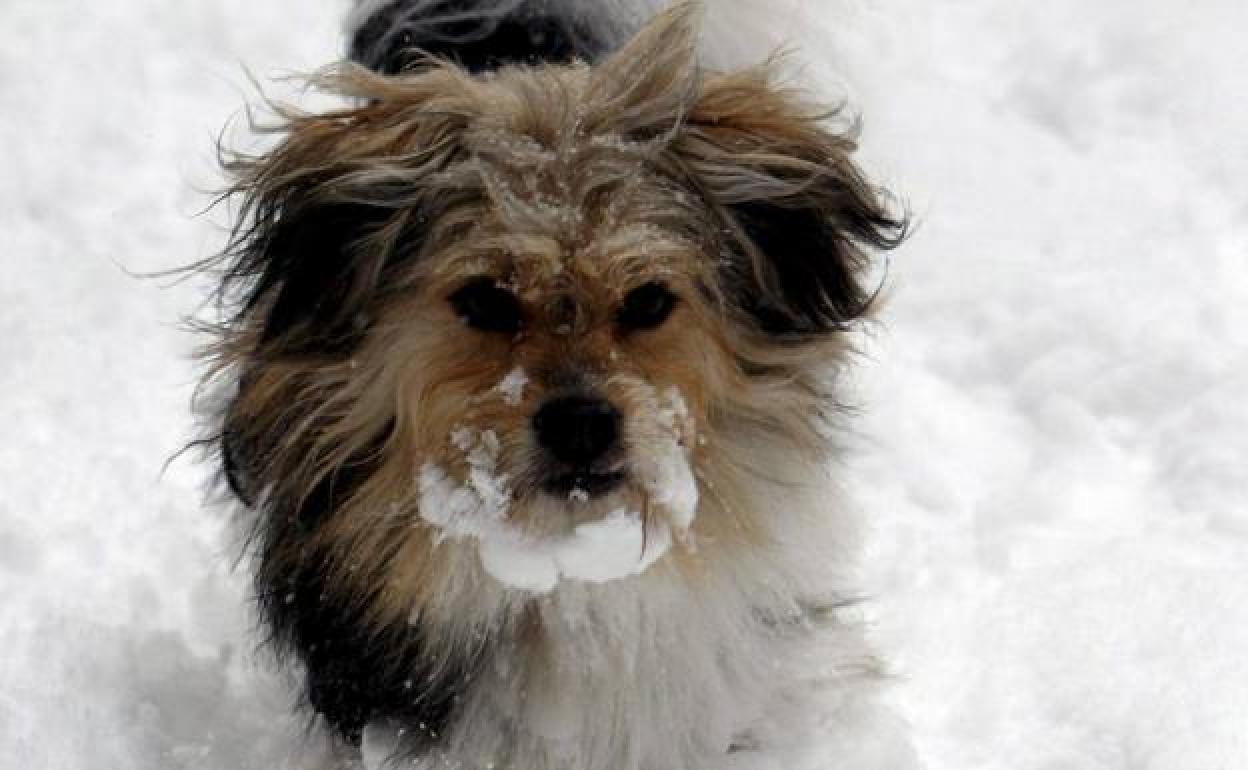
x: 1054, y: 443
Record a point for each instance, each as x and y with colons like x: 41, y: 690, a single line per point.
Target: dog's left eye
x: 488, y: 307
x: 646, y: 307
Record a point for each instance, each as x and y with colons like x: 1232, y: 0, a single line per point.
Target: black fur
x: 317, y: 272
x: 814, y: 261
x: 310, y: 270
x: 234, y: 466
x: 459, y: 31
x: 355, y: 672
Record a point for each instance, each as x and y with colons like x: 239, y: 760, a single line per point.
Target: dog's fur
x: 565, y: 175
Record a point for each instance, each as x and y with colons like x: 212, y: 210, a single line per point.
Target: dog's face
x: 554, y: 292
x: 566, y: 318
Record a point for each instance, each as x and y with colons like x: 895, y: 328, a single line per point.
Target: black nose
x: 577, y: 430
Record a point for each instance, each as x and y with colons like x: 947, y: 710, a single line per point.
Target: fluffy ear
x: 799, y: 217
x: 328, y: 221
x: 327, y: 214
x: 320, y: 265
x: 645, y: 88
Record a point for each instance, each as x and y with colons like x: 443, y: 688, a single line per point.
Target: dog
x: 530, y: 363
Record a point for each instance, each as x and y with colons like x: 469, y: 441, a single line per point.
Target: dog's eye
x: 645, y: 307
x: 487, y: 307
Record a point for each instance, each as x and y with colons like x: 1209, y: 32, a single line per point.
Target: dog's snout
x: 577, y: 430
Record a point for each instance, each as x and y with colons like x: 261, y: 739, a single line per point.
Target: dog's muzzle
x: 579, y: 433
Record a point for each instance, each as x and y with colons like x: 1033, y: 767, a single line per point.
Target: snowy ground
x: 1055, y: 438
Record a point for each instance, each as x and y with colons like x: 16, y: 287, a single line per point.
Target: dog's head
x: 537, y: 296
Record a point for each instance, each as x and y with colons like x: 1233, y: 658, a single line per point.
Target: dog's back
x: 390, y: 36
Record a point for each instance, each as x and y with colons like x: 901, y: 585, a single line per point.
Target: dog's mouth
x: 584, y: 484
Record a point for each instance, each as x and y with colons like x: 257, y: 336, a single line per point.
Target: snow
x: 1054, y: 436
x: 512, y: 386
x: 669, y: 477
x: 462, y: 509
x: 617, y: 546
x: 623, y: 543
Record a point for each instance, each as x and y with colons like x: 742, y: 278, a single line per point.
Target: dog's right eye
x: 487, y: 307
x: 645, y: 307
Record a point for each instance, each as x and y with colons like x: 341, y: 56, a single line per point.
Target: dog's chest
x: 621, y: 677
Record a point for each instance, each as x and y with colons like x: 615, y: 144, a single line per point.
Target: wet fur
x: 346, y: 368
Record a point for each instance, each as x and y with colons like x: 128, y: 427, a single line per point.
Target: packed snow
x: 1052, y: 445
x: 512, y: 386
x: 479, y: 505
x: 477, y: 509
x: 667, y: 473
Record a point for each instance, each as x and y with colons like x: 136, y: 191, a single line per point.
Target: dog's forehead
x: 565, y: 222
x: 608, y: 259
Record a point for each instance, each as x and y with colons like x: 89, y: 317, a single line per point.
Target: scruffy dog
x: 531, y: 381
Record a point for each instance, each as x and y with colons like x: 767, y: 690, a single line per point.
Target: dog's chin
x: 562, y: 499
x: 583, y: 486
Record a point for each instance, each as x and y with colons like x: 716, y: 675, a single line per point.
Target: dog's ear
x: 326, y: 216
x: 320, y: 266
x: 645, y: 88
x: 797, y: 217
